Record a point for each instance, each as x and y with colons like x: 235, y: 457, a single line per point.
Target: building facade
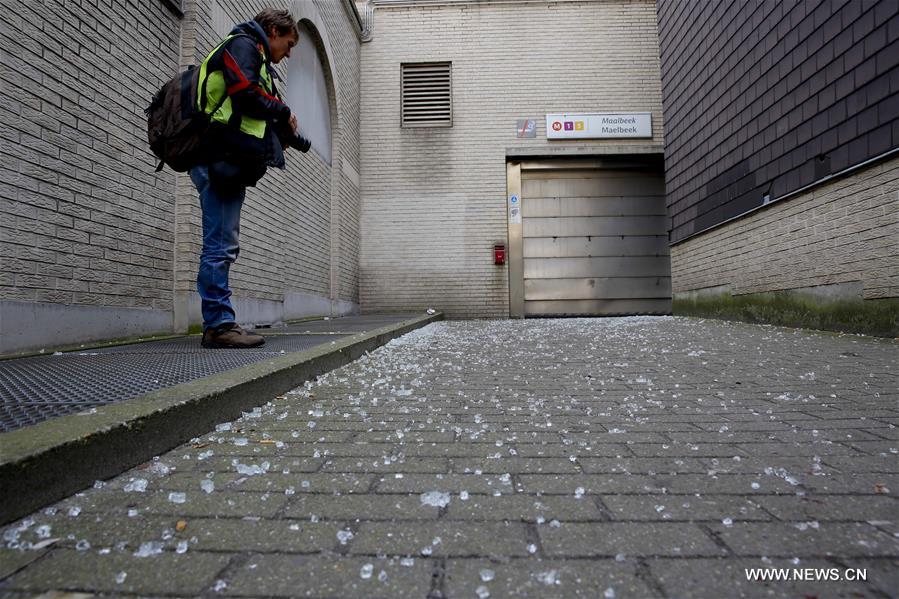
x: 437, y: 194
x: 782, y: 160
x: 488, y: 158
x: 94, y: 243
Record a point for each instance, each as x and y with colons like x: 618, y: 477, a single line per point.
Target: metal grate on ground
x: 42, y: 387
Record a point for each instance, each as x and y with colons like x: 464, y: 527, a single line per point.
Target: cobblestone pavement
x: 630, y: 457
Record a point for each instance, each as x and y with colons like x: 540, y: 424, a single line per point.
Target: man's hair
x: 279, y: 19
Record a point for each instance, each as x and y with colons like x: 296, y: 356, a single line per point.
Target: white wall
x: 433, y: 200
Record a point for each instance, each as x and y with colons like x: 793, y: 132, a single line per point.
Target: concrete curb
x: 51, y: 460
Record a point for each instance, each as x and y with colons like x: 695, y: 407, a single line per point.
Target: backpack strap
x: 204, y: 77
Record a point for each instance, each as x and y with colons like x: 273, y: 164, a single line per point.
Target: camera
x: 290, y: 138
x: 298, y: 142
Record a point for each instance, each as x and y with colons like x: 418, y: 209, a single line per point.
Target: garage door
x: 594, y: 242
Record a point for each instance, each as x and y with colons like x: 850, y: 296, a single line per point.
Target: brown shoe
x: 231, y: 336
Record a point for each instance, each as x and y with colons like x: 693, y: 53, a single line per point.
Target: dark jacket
x: 247, y: 157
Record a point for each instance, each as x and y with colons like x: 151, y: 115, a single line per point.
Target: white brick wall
x: 433, y: 200
x: 842, y: 232
x: 84, y: 220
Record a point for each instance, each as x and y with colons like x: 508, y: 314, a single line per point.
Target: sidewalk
x: 627, y: 457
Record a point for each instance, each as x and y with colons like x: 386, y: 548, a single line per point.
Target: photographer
x: 250, y: 129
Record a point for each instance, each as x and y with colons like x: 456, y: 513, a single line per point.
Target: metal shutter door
x: 595, y: 242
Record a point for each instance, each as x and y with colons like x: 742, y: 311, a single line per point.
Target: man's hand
x: 293, y: 123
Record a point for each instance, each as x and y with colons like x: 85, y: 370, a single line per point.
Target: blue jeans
x: 221, y: 225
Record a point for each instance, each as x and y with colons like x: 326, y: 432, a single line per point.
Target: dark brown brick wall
x: 767, y: 96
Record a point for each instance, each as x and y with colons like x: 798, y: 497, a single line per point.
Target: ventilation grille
x: 427, y: 95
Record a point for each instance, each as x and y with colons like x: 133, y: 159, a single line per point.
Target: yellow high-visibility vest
x: 216, y: 95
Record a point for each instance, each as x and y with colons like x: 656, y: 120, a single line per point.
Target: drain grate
x: 26, y: 414
x: 39, y: 388
x: 42, y: 387
x: 191, y: 345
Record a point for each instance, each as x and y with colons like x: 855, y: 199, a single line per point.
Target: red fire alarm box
x: 499, y: 253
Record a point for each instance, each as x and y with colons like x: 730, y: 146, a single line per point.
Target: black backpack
x: 175, y: 128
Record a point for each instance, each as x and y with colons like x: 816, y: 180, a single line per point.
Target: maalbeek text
x: 619, y: 120
x: 618, y: 130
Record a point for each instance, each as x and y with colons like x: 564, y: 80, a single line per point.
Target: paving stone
x: 835, y: 423
x: 451, y: 483
x: 378, y: 465
x: 800, y: 466
x: 195, y: 503
x: 620, y: 437
x: 412, y: 437
x: 154, y: 481
x: 255, y: 534
x: 753, y: 425
x: 689, y: 421
x: 342, y: 425
x: 13, y: 560
x: 568, y: 484
x: 528, y: 508
x: 749, y: 484
x: 279, y: 432
x: 352, y: 450
x: 163, y: 574
x: 854, y: 483
x: 279, y: 445
x: 462, y: 539
x: 316, y: 482
x: 831, y: 507
x: 515, y: 465
x: 806, y: 539
x: 684, y: 507
x: 611, y: 450
x: 888, y: 434
x: 881, y: 574
x: 100, y: 531
x: 179, y: 481
x: 724, y: 436
x: 521, y: 437
x: 879, y: 448
x: 360, y: 507
x: 822, y: 448
x: 252, y: 448
x: 696, y: 450
x: 608, y: 539
x: 228, y: 463
x: 824, y: 436
x: 334, y: 576
x: 547, y: 579
x: 452, y: 450
x: 702, y: 578
x: 643, y: 465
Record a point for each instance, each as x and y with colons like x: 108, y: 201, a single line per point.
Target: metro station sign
x: 599, y: 126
